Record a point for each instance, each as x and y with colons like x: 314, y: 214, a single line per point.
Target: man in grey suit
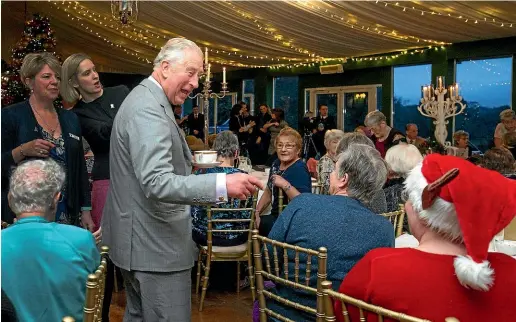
x: 146, y: 220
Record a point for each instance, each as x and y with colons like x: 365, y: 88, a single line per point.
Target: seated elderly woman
x: 226, y: 145
x: 339, y: 222
x: 507, y: 125
x: 400, y: 159
x: 377, y: 202
x: 44, y: 264
x: 327, y: 162
x: 500, y: 160
x: 288, y: 173
x: 384, y: 136
x: 454, y: 212
x: 460, y: 145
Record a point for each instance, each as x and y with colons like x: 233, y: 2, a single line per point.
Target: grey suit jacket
x: 146, y: 220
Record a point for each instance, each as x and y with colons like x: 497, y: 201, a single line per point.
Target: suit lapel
x: 162, y: 99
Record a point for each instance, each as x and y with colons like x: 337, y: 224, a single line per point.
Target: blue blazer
x: 18, y: 127
x: 45, y: 267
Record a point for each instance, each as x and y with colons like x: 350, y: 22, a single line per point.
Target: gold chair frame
x: 95, y: 286
x: 322, y: 257
x: 281, y: 205
x: 226, y: 256
x: 330, y: 296
x: 396, y: 218
x: 317, y: 188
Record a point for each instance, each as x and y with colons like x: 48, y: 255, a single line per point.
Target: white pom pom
x: 478, y: 276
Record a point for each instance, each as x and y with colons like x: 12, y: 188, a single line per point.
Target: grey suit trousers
x: 157, y: 297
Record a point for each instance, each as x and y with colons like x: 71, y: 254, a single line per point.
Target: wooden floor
x: 218, y: 306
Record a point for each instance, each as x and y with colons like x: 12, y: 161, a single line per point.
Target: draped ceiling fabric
x: 245, y: 34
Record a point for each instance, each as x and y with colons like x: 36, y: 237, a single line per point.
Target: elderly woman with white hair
x: 454, y: 212
x: 340, y: 222
x: 44, y: 264
x: 384, y: 136
x: 400, y: 159
x: 326, y: 164
x: 507, y: 125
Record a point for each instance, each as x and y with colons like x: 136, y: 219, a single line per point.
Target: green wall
x: 377, y: 71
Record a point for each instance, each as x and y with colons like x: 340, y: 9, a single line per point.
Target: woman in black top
x: 96, y: 109
x: 35, y: 129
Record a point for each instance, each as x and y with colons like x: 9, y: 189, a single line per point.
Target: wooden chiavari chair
x: 95, y: 286
x: 68, y: 319
x: 5, y: 225
x: 365, y: 309
x: 237, y: 254
x: 274, y: 275
x: 396, y: 218
x: 317, y: 188
x: 281, y: 202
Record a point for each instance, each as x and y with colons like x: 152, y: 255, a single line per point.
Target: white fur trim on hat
x: 478, y: 276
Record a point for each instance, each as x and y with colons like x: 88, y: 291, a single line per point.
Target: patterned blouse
x: 58, y: 154
x: 325, y: 167
x: 200, y: 218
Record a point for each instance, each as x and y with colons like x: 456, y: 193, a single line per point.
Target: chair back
x: 281, y: 275
x: 396, y: 218
x: 5, y: 224
x: 317, y: 188
x: 233, y: 206
x: 364, y: 309
x: 281, y: 201
x: 95, y: 286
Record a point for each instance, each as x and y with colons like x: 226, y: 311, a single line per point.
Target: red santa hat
x: 484, y: 202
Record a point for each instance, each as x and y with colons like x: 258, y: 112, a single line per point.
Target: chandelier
x: 125, y: 11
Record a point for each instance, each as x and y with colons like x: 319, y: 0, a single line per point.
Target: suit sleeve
x: 355, y: 284
x: 155, y: 146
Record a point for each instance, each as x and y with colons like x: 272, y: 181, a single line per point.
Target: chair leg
x: 199, y: 259
x: 251, y: 275
x: 205, y: 281
x: 238, y: 277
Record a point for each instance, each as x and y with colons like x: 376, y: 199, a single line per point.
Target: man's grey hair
x: 226, y: 144
x: 34, y: 185
x: 409, y: 125
x: 332, y: 135
x: 366, y: 171
x: 174, y: 51
x: 507, y: 114
x: 402, y: 158
x: 374, y: 118
x: 353, y: 138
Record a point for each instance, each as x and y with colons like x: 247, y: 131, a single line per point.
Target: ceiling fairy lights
x: 456, y: 15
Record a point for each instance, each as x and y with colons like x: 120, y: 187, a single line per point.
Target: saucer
x: 207, y: 165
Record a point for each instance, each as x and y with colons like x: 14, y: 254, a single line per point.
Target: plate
x: 207, y: 165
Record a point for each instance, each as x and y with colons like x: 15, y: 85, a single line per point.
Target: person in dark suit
x: 322, y: 123
x: 196, y: 123
x: 35, y: 129
x: 96, y: 108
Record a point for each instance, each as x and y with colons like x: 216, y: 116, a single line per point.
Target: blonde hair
x: 288, y: 131
x: 402, y: 158
x: 331, y: 135
x: 33, y: 63
x: 507, y: 114
x: 69, y: 71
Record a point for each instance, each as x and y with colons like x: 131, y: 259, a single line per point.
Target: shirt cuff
x: 86, y: 208
x: 221, y: 190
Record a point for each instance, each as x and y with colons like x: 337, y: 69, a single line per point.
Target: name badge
x: 74, y: 136
x: 112, y: 105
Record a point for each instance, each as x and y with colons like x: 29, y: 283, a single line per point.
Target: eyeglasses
x: 286, y: 146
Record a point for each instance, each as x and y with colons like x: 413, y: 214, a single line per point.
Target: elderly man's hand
x: 241, y: 185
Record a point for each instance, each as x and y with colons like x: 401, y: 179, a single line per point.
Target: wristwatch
x: 287, y: 187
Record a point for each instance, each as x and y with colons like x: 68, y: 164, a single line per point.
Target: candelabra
x: 436, y: 106
x: 206, y: 94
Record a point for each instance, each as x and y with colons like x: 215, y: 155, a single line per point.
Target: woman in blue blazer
x: 36, y: 129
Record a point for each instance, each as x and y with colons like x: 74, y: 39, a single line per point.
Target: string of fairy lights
x: 458, y: 16
x: 353, y: 23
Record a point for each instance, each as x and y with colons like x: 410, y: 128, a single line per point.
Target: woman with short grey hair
x: 384, y: 136
x: 326, y: 164
x: 377, y: 203
x: 226, y: 145
x: 507, y: 125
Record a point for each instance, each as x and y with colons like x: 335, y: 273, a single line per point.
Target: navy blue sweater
x: 341, y: 224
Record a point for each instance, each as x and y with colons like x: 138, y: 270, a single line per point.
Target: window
x: 485, y: 87
x: 285, y: 96
x: 248, y: 94
x: 407, y: 94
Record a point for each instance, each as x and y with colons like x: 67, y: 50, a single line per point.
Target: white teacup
x: 205, y: 156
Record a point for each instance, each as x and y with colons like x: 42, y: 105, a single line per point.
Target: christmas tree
x: 37, y: 37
